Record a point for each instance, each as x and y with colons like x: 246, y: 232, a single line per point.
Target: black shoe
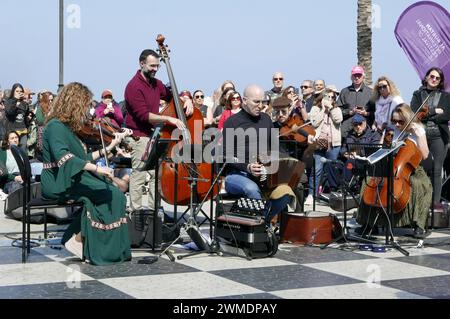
x: 420, y: 233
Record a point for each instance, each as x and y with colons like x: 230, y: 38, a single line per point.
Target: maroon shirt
x: 141, y: 99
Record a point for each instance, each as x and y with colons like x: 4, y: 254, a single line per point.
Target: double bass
x: 191, y: 137
x: 406, y: 161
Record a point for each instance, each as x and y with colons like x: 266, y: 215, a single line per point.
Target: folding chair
x: 32, y: 203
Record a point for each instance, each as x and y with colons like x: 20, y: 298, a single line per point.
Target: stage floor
x: 295, y: 272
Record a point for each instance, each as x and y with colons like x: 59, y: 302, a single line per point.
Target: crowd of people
x: 333, y: 122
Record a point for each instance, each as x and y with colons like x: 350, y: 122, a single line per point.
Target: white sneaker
x: 75, y: 247
x: 309, y: 200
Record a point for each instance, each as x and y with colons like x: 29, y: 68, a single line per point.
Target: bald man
x: 278, y: 83
x: 244, y: 172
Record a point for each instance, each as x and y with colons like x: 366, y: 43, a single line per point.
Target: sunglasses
x: 108, y: 97
x: 305, y: 87
x: 357, y: 124
x: 282, y: 112
x: 290, y: 92
x: 401, y: 122
x: 382, y: 87
x: 278, y: 79
x: 199, y: 96
x: 236, y: 98
x: 434, y: 77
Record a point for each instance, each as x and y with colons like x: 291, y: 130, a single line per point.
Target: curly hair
x: 71, y: 105
x: 376, y: 92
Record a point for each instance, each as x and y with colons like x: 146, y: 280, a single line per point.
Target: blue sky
x: 210, y: 41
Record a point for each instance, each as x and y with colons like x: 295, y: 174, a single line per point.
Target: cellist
x: 416, y: 212
x: 142, y: 96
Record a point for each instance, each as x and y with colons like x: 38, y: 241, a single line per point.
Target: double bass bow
x: 179, y: 192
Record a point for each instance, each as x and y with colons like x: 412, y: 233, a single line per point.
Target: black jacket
x: 441, y: 120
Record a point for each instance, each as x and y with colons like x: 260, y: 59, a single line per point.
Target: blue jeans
x: 241, y: 185
x: 331, y: 154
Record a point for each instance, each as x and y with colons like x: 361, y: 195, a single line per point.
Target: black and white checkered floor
x: 295, y: 272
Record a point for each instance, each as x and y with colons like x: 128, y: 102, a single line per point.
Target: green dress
x: 103, y: 222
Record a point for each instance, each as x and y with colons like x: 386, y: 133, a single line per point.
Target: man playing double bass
x: 142, y: 97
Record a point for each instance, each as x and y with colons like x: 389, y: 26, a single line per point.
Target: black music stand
x: 155, y: 153
x: 382, y: 163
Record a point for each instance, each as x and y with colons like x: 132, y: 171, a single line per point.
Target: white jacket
x: 317, y: 116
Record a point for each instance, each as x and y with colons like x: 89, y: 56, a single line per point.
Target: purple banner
x: 423, y: 32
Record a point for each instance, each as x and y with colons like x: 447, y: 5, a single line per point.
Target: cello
x: 192, y: 136
x: 406, y: 161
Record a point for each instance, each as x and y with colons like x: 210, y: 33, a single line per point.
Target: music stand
x: 382, y: 161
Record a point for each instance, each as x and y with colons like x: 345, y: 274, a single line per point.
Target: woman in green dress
x: 100, y: 233
x: 416, y: 212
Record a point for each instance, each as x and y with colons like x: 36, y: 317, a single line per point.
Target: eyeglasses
x: 434, y: 77
x: 235, y: 98
x: 357, y: 75
x: 400, y: 122
x: 199, y: 96
x: 278, y: 79
x: 281, y: 112
x: 304, y: 87
x: 383, y: 87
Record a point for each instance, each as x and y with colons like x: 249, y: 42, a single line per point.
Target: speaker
x: 140, y: 229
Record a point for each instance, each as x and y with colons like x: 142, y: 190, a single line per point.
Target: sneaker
x: 309, y: 200
x: 420, y: 233
x: 75, y: 247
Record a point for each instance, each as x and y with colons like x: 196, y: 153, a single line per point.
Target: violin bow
x: 103, y: 145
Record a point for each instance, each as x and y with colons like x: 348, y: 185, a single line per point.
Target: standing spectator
x: 232, y: 107
x: 353, y: 100
x: 278, y: 83
x: 220, y: 108
x: 199, y: 98
x: 319, y: 86
x: 110, y: 109
x: 218, y: 94
x: 385, y: 97
x: 16, y: 111
x: 436, y: 124
x: 326, y: 118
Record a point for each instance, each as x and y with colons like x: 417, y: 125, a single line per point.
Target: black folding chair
x: 30, y: 203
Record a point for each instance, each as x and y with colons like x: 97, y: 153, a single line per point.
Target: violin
x: 98, y: 131
x: 296, y: 129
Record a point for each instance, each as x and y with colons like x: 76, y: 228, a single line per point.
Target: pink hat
x: 106, y: 93
x: 358, y: 70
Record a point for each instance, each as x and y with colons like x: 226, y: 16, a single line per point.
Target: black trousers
x: 433, y: 165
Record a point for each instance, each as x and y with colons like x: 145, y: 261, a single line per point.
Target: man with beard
x: 142, y: 99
